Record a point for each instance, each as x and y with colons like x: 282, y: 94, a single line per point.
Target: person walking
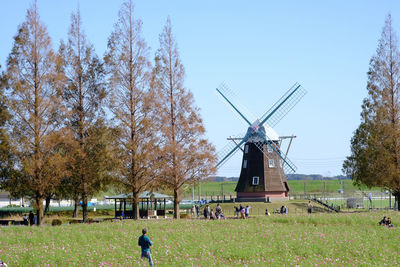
x: 145, y: 243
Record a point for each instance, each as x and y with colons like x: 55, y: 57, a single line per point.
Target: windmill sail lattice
x: 283, y: 105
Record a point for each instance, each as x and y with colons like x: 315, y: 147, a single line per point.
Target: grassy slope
x: 258, y: 208
x: 278, y: 240
x: 296, y: 187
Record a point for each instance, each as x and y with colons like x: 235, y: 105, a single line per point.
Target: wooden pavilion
x: 151, y: 204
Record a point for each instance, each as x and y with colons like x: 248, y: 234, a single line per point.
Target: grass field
x: 278, y: 240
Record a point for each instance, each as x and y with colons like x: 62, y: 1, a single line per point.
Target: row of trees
x: 73, y: 123
x: 375, y: 146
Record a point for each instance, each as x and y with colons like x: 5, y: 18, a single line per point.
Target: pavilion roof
x: 143, y: 195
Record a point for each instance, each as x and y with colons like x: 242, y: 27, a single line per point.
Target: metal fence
x: 355, y: 200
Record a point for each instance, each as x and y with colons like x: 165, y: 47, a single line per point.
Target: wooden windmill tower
x: 263, y: 168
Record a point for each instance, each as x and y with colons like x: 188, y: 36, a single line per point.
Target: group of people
x: 210, y: 214
x: 29, y: 219
x: 386, y: 222
x: 243, y: 211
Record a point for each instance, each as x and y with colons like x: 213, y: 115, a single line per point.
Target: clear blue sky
x: 259, y: 48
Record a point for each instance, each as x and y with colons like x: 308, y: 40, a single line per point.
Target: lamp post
x: 193, y: 193
x: 199, y: 192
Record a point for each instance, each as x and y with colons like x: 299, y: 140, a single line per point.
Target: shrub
x: 56, y: 222
x: 185, y: 216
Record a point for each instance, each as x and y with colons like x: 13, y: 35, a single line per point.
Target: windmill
x: 264, y: 165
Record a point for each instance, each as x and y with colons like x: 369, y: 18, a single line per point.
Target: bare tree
x: 34, y: 103
x: 84, y: 95
x: 187, y: 155
x: 131, y: 103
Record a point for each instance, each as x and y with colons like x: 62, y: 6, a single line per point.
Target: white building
x: 6, y: 200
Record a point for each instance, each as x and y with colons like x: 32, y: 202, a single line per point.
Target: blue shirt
x: 145, y: 243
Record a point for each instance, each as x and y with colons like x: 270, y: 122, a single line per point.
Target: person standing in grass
x: 218, y: 211
x: 31, y: 218
x: 309, y: 208
x: 242, y: 211
x: 145, y: 243
x: 247, y: 210
x: 236, y: 211
x: 206, y: 212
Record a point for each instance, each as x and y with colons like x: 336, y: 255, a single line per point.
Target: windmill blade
x: 228, y: 151
x: 230, y: 98
x: 283, y: 105
x: 287, y: 165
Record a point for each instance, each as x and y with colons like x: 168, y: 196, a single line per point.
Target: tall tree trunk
x: 397, y: 198
x: 135, y: 205
x: 76, y: 203
x: 39, y: 210
x: 84, y: 203
x: 47, y: 205
x: 176, y: 205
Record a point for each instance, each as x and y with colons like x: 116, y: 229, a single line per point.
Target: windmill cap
x: 271, y: 133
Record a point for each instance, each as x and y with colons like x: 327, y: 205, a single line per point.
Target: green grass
x: 278, y: 240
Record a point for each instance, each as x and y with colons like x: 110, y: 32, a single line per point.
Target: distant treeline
x: 315, y: 177
x: 289, y: 177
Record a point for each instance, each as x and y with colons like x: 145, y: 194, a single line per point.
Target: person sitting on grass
x: 212, y: 215
x: 383, y: 221
x: 217, y: 214
x: 389, y: 222
x: 221, y: 216
x: 284, y: 210
x: 145, y: 243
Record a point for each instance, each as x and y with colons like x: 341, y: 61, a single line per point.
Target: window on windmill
x: 270, y: 149
x: 271, y: 163
x: 255, y: 180
x: 244, y: 164
x: 246, y: 149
